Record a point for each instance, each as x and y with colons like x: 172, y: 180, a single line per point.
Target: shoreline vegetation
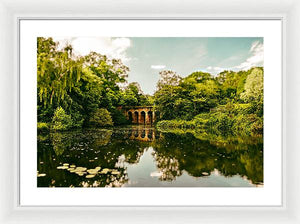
x: 235, y: 120
x: 85, y: 91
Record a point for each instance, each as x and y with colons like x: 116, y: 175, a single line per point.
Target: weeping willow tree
x: 78, y: 84
x: 57, y: 70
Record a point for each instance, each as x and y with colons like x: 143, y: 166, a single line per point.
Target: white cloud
x: 256, y: 58
x: 215, y: 70
x: 158, y: 67
x: 111, y: 47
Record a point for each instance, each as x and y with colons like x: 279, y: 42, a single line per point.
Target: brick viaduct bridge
x: 139, y: 114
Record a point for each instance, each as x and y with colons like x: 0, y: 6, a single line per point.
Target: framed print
x: 150, y: 107
x: 149, y: 112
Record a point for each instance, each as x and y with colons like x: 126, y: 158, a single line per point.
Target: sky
x: 147, y: 56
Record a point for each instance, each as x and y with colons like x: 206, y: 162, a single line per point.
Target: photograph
x: 123, y: 111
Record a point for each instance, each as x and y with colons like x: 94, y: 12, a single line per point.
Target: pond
x: 142, y: 156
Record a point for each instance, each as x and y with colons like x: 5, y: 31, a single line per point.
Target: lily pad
x: 81, y: 168
x: 98, y: 168
x: 104, y: 172
x: 90, y: 176
x: 92, y: 171
x: 62, y: 167
x: 41, y: 175
x: 80, y: 173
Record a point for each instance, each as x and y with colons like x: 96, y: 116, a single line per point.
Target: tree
x: 57, y: 71
x: 168, y: 78
x: 166, y: 94
x: 86, y: 95
x: 164, y: 101
x: 61, y: 121
x: 128, y: 98
x: 135, y: 88
x: 254, y: 86
x: 101, y: 118
x: 199, y: 77
x: 183, y: 108
x: 254, y: 90
x: 79, y: 85
x: 134, y: 96
x: 111, y: 71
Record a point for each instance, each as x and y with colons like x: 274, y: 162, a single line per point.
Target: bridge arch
x: 150, y: 117
x: 136, y: 117
x: 143, y: 118
x: 139, y: 114
x: 130, y: 116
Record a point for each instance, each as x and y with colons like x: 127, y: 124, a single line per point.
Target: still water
x: 139, y: 156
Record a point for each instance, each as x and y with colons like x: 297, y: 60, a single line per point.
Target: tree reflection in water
x: 172, y: 155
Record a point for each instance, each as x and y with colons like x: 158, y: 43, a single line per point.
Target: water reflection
x: 139, y: 156
x: 142, y: 133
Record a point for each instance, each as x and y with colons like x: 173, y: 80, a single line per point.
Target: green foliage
x: 101, y: 118
x: 254, y: 90
x: 119, y: 118
x: 81, y: 85
x: 220, y: 123
x: 168, y: 78
x: 128, y: 99
x: 183, y: 108
x: 224, y: 120
x: 166, y: 124
x: 199, y: 77
x: 254, y: 86
x: 230, y: 103
x: 186, y: 97
x: 43, y: 127
x: 164, y: 101
x: 248, y: 124
x: 57, y: 71
x: 133, y: 96
x: 61, y: 121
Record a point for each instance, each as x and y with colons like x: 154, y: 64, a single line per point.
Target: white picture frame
x: 11, y: 212
x: 268, y: 195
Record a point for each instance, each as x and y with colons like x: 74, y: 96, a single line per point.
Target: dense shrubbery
x: 42, y: 127
x: 119, y: 118
x: 101, y: 118
x: 230, y: 103
x: 166, y: 124
x: 61, y: 121
x: 235, y: 119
